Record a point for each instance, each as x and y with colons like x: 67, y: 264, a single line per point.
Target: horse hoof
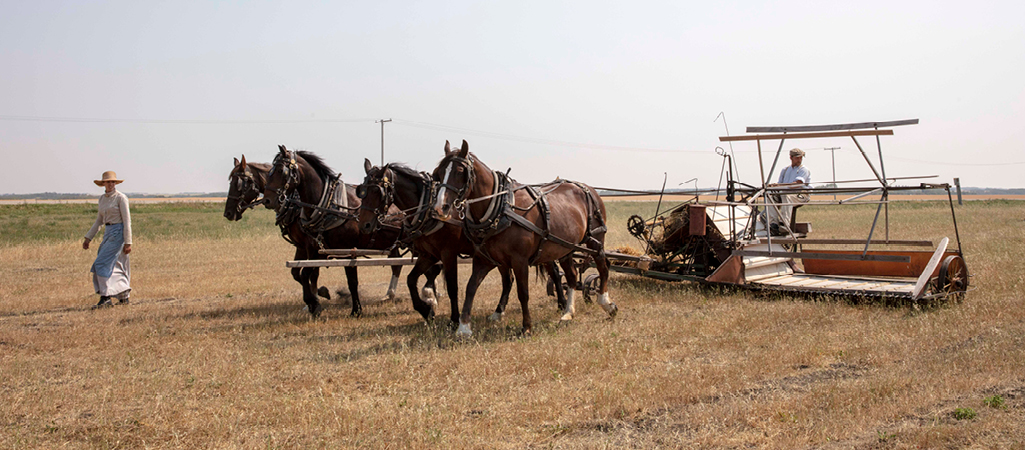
x: 566, y: 317
x: 464, y: 331
x: 315, y: 311
x: 495, y: 317
x: 613, y: 309
x: 356, y: 313
x: 323, y: 292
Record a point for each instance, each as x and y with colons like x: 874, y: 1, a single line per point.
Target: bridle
x: 462, y: 192
x: 384, y: 186
x: 245, y: 184
x: 290, y: 172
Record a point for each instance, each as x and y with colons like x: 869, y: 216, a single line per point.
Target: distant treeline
x: 64, y: 196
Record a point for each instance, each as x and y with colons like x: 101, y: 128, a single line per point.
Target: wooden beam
x: 765, y: 137
x: 836, y: 127
x: 375, y: 262
x: 352, y: 252
x: 923, y: 279
x: 847, y: 242
x: 832, y: 256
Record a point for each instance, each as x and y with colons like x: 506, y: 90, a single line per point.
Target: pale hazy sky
x: 613, y: 94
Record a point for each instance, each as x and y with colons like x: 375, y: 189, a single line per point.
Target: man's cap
x: 796, y: 152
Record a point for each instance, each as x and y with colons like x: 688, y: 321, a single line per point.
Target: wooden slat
x: 828, y: 256
x: 839, y: 126
x: 375, y: 262
x: 846, y: 242
x: 923, y: 279
x: 352, y: 252
x: 764, y: 137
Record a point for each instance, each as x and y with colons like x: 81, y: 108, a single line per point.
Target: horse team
x: 461, y: 208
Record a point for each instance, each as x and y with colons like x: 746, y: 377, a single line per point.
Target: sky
x: 626, y: 95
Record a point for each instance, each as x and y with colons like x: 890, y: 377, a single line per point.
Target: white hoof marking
x: 495, y: 317
x: 428, y: 294
x: 464, y: 330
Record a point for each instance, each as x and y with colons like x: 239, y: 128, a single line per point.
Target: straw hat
x: 108, y: 176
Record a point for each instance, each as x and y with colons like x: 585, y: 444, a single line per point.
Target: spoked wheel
x: 590, y: 287
x: 952, y: 279
x: 635, y: 225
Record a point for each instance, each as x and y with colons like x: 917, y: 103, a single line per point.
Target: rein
x: 496, y: 220
x: 246, y: 183
x: 414, y: 220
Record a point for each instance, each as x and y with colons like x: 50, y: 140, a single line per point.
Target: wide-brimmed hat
x: 108, y: 176
x: 796, y: 152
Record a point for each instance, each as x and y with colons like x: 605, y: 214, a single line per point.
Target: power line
x: 172, y: 121
x: 510, y: 137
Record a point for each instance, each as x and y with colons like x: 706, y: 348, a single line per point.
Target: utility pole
x: 382, y: 121
x: 832, y: 156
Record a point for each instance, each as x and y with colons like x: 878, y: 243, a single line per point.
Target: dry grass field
x: 215, y: 352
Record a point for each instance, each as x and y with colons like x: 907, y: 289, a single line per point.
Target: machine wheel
x: 953, y: 277
x: 590, y: 287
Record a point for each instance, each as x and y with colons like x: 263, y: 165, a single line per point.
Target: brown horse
x: 432, y: 240
x: 246, y: 182
x: 516, y: 226
x: 306, y: 194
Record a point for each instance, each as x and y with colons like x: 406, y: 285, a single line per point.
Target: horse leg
x: 560, y: 294
x: 504, y: 299
x: 394, y: 283
x: 450, y: 266
x: 602, y: 264
x: 571, y: 282
x: 352, y: 277
x: 425, y: 309
x: 308, y: 278
x: 430, y: 289
x: 480, y: 270
x: 520, y: 272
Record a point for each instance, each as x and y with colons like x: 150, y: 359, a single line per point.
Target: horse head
x: 377, y: 193
x: 244, y: 188
x: 284, y: 177
x: 455, y: 178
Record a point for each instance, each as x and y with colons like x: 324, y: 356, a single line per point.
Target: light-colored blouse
x: 113, y: 209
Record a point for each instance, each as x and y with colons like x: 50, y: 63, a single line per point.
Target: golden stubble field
x: 215, y: 352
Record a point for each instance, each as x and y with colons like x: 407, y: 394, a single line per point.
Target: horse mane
x: 322, y: 170
x: 403, y: 169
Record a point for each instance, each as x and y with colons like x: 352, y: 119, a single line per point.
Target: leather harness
x: 501, y: 213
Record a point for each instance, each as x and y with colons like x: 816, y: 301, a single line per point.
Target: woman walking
x: 112, y: 275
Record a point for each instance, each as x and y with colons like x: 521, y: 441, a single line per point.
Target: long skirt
x: 112, y: 270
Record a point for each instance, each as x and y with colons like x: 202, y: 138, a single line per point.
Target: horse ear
x: 282, y: 149
x: 236, y: 161
x: 367, y: 165
x: 243, y: 161
x: 448, y: 147
x: 465, y: 150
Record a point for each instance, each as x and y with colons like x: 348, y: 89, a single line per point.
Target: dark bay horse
x: 516, y: 226
x: 245, y: 186
x: 306, y: 193
x: 246, y: 182
x: 432, y: 240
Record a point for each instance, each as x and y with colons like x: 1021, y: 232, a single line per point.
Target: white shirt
x: 113, y: 209
x: 791, y: 174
